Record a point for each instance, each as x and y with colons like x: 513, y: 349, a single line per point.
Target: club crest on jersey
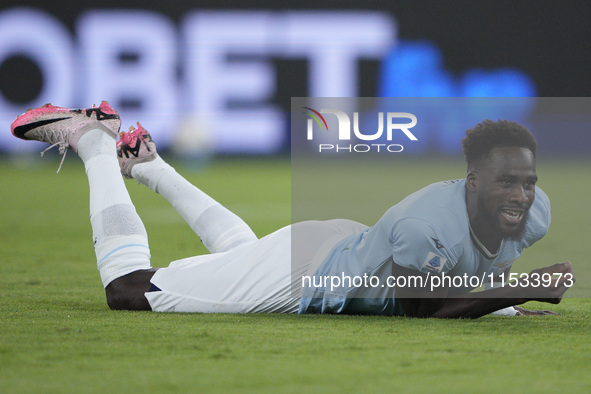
x: 502, y: 266
x: 434, y: 263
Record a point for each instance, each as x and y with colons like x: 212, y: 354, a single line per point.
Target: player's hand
x: 558, y: 278
x: 526, y: 312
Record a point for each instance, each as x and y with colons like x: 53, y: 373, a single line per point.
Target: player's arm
x: 445, y: 302
x: 514, y: 310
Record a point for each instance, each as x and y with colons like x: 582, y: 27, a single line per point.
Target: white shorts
x: 251, y: 278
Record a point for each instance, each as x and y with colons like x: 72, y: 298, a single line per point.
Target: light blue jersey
x: 429, y: 232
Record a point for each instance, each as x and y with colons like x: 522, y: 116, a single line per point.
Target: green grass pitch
x: 58, y: 335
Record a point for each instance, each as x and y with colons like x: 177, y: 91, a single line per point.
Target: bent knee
x: 122, y: 298
x: 127, y: 292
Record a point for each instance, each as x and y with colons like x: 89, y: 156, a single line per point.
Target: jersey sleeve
x: 417, y: 246
x: 539, y: 219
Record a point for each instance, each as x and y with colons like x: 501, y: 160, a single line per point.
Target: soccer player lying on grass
x: 470, y: 228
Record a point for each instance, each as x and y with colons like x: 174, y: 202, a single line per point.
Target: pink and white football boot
x: 135, y: 146
x: 63, y: 127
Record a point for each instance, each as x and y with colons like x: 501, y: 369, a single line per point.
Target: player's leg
x: 120, y: 239
x: 219, y: 229
x: 259, y: 277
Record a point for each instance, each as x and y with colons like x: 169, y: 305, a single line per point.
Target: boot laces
x: 59, y: 139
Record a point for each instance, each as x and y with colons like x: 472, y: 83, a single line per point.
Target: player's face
x: 506, y: 190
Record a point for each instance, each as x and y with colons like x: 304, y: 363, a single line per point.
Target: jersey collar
x: 481, y: 248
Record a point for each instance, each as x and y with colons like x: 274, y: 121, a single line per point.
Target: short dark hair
x: 484, y: 137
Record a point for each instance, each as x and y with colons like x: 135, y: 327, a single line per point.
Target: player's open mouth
x: 512, y: 216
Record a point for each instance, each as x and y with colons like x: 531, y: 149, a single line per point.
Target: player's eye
x: 530, y: 184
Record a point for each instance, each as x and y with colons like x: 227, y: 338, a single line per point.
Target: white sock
x: 120, y: 239
x: 219, y: 229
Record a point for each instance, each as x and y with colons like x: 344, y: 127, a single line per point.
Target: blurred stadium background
x: 218, y: 76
